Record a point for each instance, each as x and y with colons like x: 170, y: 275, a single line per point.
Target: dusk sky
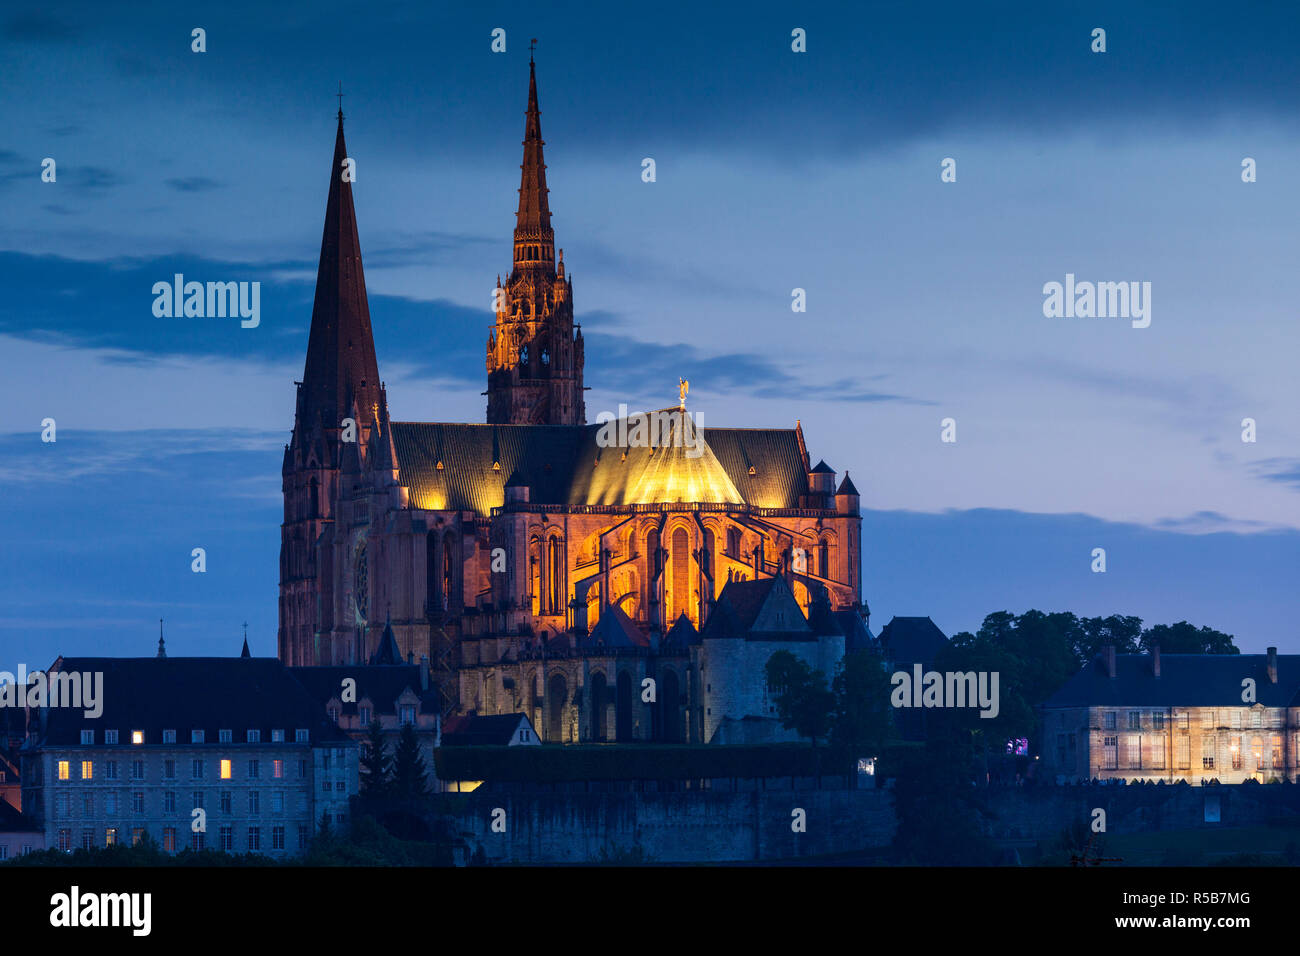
x: 775, y: 170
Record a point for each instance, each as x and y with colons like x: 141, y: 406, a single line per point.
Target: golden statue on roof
x: 683, y: 387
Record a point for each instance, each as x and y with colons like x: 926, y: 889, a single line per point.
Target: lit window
x: 110, y: 836
x: 137, y: 736
x: 225, y: 770
x: 63, y: 770
x: 169, y: 839
x: 137, y: 834
x: 87, y: 769
x: 277, y: 769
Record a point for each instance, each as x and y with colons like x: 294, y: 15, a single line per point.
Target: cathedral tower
x: 534, y: 355
x: 340, y: 383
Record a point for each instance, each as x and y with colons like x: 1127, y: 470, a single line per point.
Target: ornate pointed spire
x: 162, y: 648
x: 534, y: 239
x: 341, y: 363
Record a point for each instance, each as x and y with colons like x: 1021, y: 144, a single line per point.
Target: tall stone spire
x: 340, y: 381
x: 341, y: 363
x: 534, y: 354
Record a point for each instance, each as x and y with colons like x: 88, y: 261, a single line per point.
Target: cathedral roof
x: 761, y: 610
x: 565, y: 465
x: 615, y: 629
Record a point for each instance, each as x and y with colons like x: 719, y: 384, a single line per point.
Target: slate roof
x: 1186, y: 680
x: 189, y: 693
x: 482, y: 730
x: 11, y: 821
x: 742, y: 606
x: 381, y: 683
x: 911, y: 640
x: 847, y: 487
x: 615, y: 629
x: 565, y: 466
x: 682, y: 633
x: 857, y: 636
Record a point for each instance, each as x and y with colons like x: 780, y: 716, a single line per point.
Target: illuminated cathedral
x: 609, y: 591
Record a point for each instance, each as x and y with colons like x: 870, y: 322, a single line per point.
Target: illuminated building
x: 1177, y: 717
x: 539, y: 569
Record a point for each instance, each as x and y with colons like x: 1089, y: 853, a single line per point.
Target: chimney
x: 1272, y: 665
x: 1155, y: 659
x: 1110, y: 661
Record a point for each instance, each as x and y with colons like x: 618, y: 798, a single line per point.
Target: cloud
x: 193, y: 184
x: 36, y: 27
x: 1283, y: 471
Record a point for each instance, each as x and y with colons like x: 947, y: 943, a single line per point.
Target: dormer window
x: 300, y: 736
x: 196, y: 736
x: 110, y: 736
x: 87, y: 737
x: 224, y: 736
x: 253, y: 736
x: 169, y: 736
x: 408, y: 714
x: 277, y: 736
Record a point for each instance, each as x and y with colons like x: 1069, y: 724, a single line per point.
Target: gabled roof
x: 682, y: 633
x: 153, y: 694
x: 380, y: 683
x: 483, y: 730
x: 1186, y: 680
x: 762, y: 610
x: 911, y: 640
x: 615, y: 629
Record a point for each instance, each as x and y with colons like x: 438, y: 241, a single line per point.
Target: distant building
x: 238, y: 738
x: 904, y: 643
x: 1176, y: 717
x: 19, y: 833
x: 384, y: 690
x: 495, y: 730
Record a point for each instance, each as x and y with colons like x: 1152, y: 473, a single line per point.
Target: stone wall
x: 693, y: 827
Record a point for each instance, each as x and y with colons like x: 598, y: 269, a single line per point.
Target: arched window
x: 448, y: 565
x: 598, y: 701
x: 555, y: 565
x: 679, y: 598
x: 824, y: 559
x: 523, y: 355
x: 733, y: 542
x: 706, y: 554
x: 556, y: 692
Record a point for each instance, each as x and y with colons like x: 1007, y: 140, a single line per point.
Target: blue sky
x: 775, y: 170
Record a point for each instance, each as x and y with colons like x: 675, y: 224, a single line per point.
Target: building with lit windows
x: 238, y: 739
x: 1177, y: 717
x: 539, y: 568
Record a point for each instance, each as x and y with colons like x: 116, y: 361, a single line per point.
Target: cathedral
x: 606, y: 588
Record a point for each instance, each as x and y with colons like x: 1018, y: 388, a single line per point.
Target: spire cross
x: 245, y: 630
x: 532, y: 45
x: 340, y: 96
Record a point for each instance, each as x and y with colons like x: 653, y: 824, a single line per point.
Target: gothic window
x: 733, y: 542
x: 314, y: 499
x: 546, y: 357
x: 679, y: 599
x: 824, y: 559
x: 523, y: 355
x: 361, y: 583
x: 555, y: 566
x: 447, y: 565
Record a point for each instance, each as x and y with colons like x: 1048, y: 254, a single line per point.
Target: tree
x: 862, y: 716
x: 803, y: 700
x: 1095, y: 633
x: 376, y: 763
x: 1183, y: 638
x: 409, y: 776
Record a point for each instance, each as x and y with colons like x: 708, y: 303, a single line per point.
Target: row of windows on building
x: 4, y: 850
x: 1148, y: 753
x: 253, y: 838
x: 406, y: 714
x: 111, y: 801
x: 1157, y: 719
x: 198, y: 769
x: 300, y: 736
